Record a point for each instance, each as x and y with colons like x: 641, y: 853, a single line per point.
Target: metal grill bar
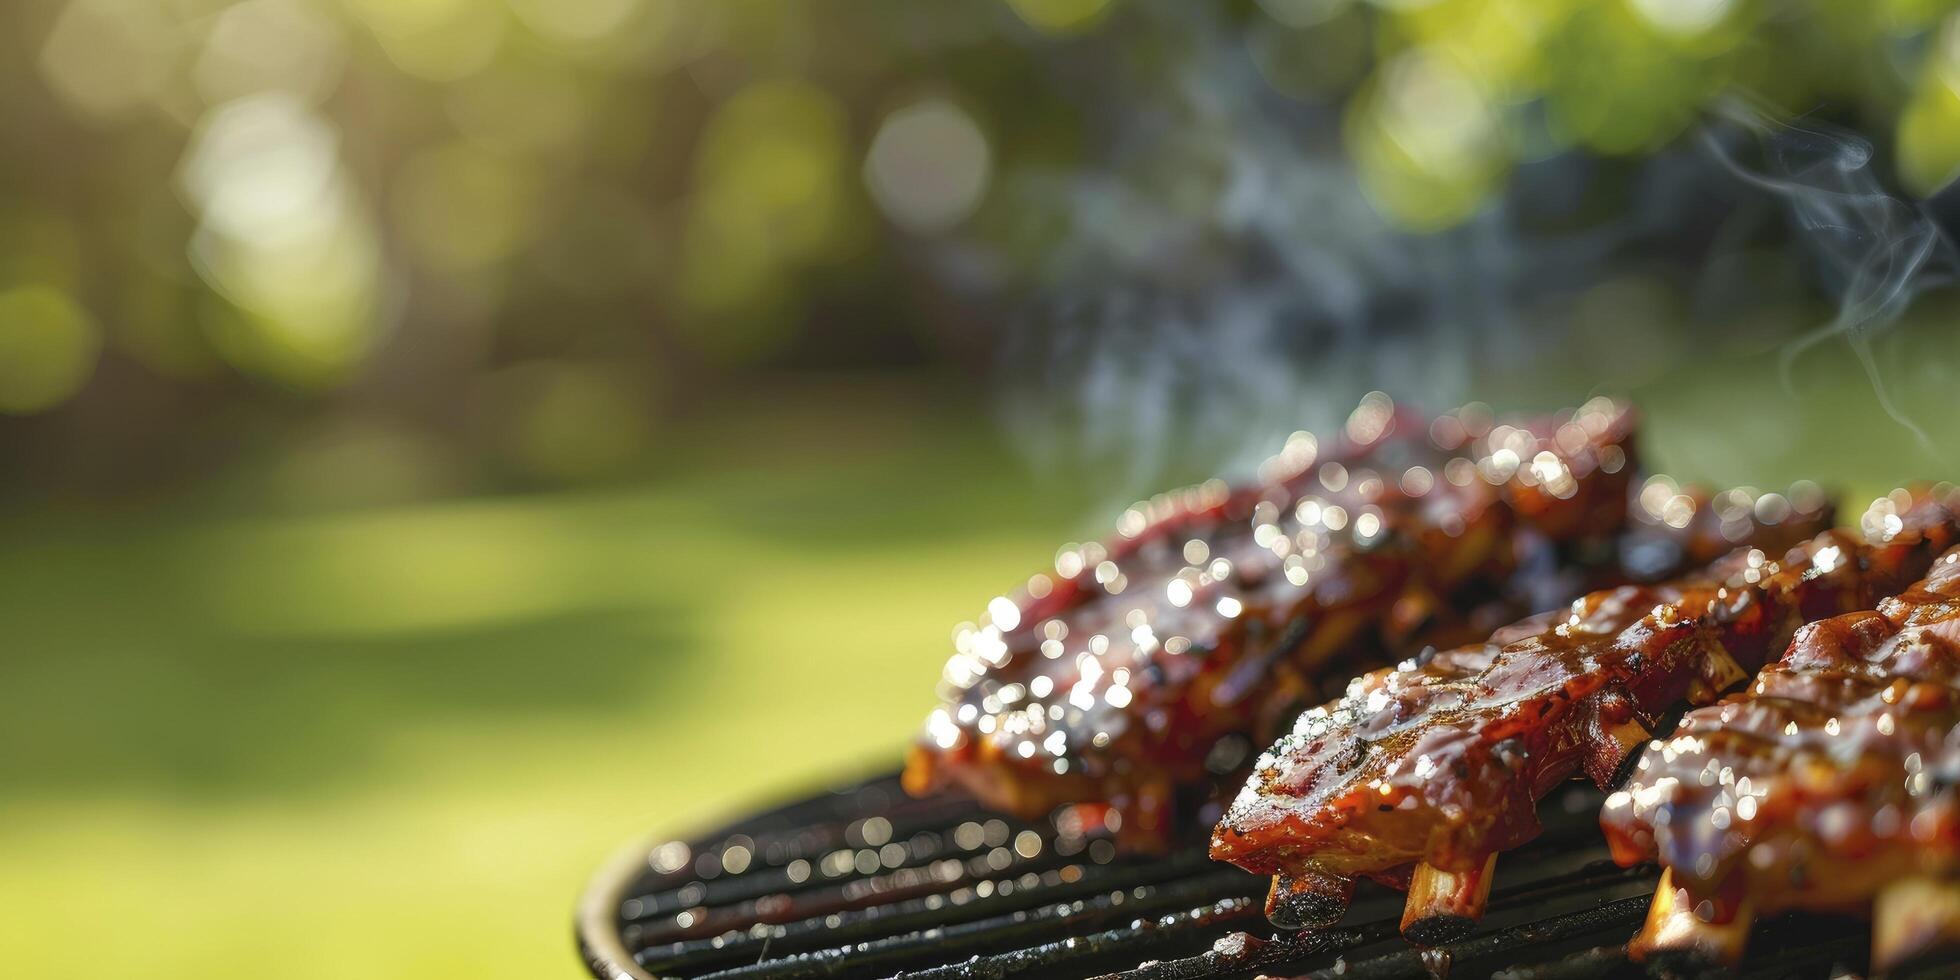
x: 1500, y: 947
x: 1141, y: 938
x: 1070, y: 884
x: 866, y: 882
x: 960, y: 939
x: 1588, y: 882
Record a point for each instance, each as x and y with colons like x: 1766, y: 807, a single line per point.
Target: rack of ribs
x: 1828, y: 785
x: 1422, y: 773
x: 1155, y: 661
x: 1150, y: 666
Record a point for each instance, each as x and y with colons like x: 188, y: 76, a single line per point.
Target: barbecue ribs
x: 1422, y: 773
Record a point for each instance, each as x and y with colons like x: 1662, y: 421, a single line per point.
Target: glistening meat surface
x: 1426, y: 771
x: 1155, y: 661
x: 1829, y: 782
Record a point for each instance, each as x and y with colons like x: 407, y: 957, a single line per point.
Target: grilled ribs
x: 1422, y: 773
x: 1152, y: 663
x: 1155, y: 663
x: 1828, y: 784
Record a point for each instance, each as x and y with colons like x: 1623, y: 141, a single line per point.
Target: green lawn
x: 392, y: 741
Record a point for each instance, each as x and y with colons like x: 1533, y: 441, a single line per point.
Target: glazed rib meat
x: 1152, y: 663
x: 1671, y: 530
x: 1422, y: 773
x: 1828, y: 784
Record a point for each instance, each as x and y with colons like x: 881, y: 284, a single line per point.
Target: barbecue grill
x: 864, y: 881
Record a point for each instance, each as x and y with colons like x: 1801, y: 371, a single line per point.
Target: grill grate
x: 865, y: 882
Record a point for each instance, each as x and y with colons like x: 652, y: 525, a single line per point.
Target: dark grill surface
x: 865, y: 882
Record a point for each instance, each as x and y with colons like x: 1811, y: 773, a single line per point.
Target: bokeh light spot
x: 1929, y: 124
x: 770, y: 199
x: 303, y: 313
x: 1684, y: 17
x: 261, y: 170
x: 1060, y: 16
x: 266, y: 45
x: 1436, y: 114
x: 439, y: 40
x: 105, y: 58
x: 284, y: 240
x: 48, y: 347
x: 573, y: 21
x: 928, y: 166
x: 1427, y: 140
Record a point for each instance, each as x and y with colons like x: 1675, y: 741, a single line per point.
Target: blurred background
x: 444, y: 440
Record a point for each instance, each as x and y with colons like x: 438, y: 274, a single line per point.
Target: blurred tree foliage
x: 530, y: 226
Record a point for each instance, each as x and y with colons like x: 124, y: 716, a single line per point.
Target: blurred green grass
x: 393, y: 740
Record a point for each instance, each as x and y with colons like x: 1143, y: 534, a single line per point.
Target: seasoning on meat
x: 1829, y: 785
x: 1421, y: 774
x: 1157, y: 661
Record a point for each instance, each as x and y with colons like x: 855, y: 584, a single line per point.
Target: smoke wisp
x: 1219, y: 277
x: 1874, y: 253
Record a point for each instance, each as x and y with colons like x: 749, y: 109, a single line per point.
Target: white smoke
x: 1219, y: 278
x: 1873, y: 252
x: 1222, y: 279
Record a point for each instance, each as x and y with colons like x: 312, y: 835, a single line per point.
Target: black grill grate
x: 865, y: 882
